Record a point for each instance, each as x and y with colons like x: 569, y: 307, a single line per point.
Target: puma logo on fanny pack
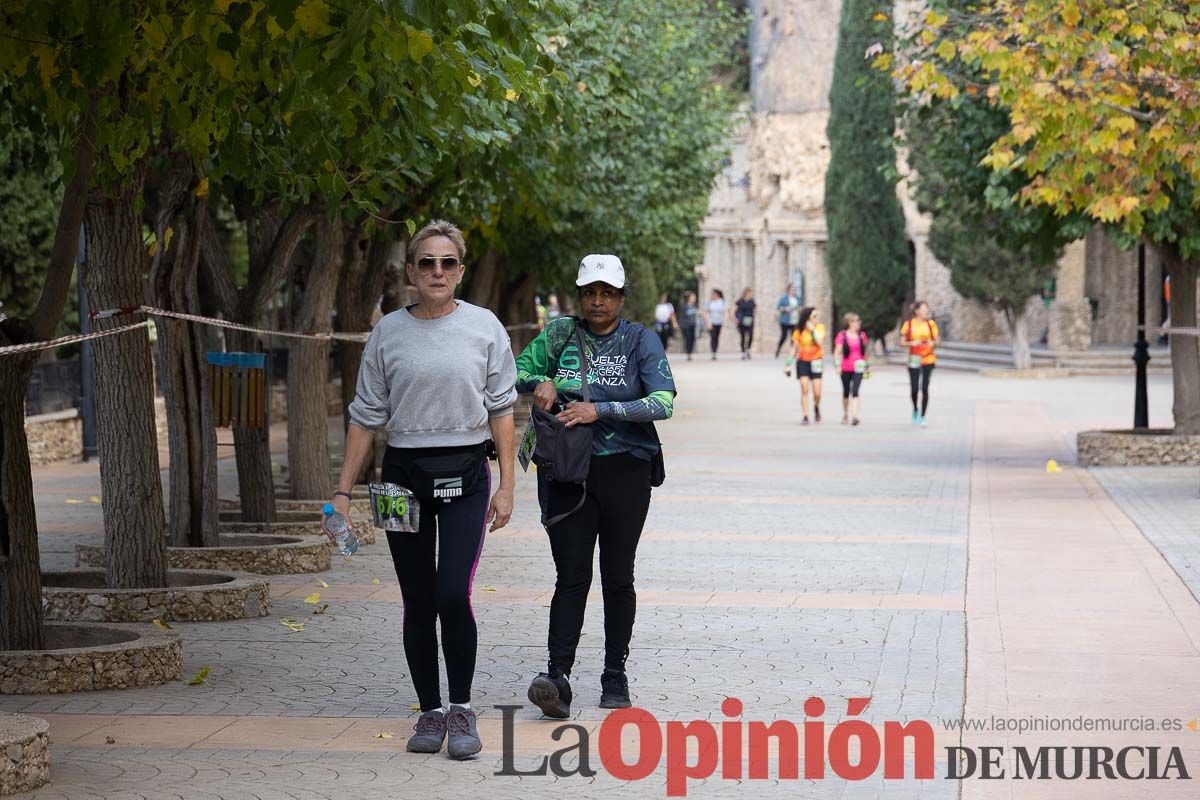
x: 448, y: 487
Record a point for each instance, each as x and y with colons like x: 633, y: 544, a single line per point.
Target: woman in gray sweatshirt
x: 439, y: 376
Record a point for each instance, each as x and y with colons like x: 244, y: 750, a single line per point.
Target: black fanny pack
x: 435, y: 473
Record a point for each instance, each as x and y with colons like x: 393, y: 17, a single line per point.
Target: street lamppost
x: 1141, y: 350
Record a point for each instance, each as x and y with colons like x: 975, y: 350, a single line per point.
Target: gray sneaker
x: 430, y: 733
x: 464, y: 736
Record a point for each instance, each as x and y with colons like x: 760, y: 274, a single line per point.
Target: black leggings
x: 714, y: 337
x: 746, y: 333
x: 918, y: 379
x: 689, y: 340
x: 440, y: 588
x: 618, y: 497
x: 850, y: 383
x: 785, y: 334
x: 664, y: 336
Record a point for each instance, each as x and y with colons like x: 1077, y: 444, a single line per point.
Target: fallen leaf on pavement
x: 200, y: 677
x: 94, y: 499
x: 109, y: 740
x: 162, y: 624
x: 71, y: 501
x: 488, y: 589
x: 375, y: 582
x: 385, y: 735
x: 313, y: 598
x: 324, y: 585
x: 322, y: 609
x: 415, y: 707
x: 291, y: 624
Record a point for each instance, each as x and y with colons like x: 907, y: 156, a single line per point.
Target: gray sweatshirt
x: 435, y: 382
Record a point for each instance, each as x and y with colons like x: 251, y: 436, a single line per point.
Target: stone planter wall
x: 24, y: 753
x: 255, y: 553
x: 360, y: 506
x: 54, y: 437
x: 194, y: 596
x: 1154, y: 446
x: 59, y: 436
x: 364, y: 528
x: 85, y: 658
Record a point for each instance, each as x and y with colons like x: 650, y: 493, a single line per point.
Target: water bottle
x: 341, y: 531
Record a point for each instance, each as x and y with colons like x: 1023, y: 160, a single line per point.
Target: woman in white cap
x: 439, y: 376
x: 631, y: 386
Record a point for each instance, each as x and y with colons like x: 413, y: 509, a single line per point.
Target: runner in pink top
x: 850, y: 347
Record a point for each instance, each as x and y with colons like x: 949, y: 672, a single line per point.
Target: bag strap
x: 587, y: 395
x: 548, y: 522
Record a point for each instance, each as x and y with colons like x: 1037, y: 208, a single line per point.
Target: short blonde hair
x: 438, y: 227
x: 850, y: 317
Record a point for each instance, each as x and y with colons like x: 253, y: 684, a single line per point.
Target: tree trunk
x: 517, y: 309
x: 20, y: 570
x: 359, y: 290
x: 191, y: 433
x: 20, y: 557
x: 1185, y: 350
x: 487, y: 280
x: 1018, y: 335
x: 308, y: 370
x: 130, y: 481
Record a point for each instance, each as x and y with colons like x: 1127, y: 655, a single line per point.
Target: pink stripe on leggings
x: 482, y: 536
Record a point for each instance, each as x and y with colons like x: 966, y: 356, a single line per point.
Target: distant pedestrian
x: 920, y: 335
x: 808, y: 352
x: 850, y: 348
x: 788, y: 308
x: 691, y: 322
x: 744, y: 314
x: 664, y: 321
x: 714, y: 318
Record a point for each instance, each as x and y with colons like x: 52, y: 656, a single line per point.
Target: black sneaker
x: 430, y: 732
x: 614, y: 690
x: 464, y: 734
x: 552, y: 694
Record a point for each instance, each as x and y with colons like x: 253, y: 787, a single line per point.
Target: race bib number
x: 860, y: 365
x: 818, y: 366
x: 394, y: 508
x: 747, y: 322
x: 914, y: 362
x: 528, y: 441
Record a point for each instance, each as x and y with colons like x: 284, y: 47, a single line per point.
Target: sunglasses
x: 430, y: 263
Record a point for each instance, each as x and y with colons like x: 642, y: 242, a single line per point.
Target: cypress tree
x: 867, y: 254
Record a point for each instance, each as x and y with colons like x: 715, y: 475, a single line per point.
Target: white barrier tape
x: 30, y: 347
x: 220, y: 323
x: 1170, y: 331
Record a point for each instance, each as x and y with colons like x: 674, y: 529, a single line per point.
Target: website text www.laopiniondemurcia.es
x: 851, y: 749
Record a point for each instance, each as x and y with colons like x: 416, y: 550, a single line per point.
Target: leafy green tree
x: 1102, y: 105
x: 1000, y: 252
x: 867, y: 253
x: 30, y: 191
x: 621, y: 160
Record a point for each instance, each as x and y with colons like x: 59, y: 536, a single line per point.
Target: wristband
x: 343, y: 494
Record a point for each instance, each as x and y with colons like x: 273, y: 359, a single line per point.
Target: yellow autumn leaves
x: 1102, y: 96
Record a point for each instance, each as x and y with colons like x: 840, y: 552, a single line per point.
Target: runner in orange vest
x: 920, y: 335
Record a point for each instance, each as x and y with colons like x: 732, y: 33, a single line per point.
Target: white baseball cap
x: 603, y: 268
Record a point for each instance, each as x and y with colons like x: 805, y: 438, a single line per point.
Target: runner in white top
x: 714, y: 318
x: 664, y: 321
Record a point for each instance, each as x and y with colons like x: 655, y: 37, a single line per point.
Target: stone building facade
x: 766, y: 227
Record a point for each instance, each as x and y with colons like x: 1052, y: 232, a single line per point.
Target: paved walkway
x: 924, y: 569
